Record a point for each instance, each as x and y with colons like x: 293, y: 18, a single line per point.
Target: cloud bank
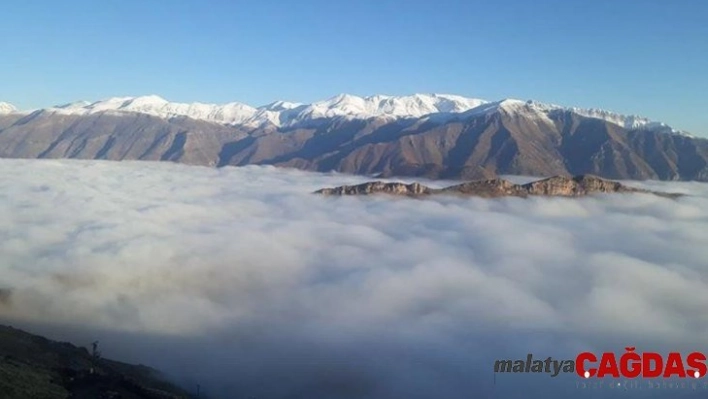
x: 241, y: 280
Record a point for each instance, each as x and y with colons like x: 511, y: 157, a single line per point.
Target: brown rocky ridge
x: 557, y: 186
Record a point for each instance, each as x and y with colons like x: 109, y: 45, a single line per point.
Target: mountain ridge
x: 283, y: 113
x: 494, y: 138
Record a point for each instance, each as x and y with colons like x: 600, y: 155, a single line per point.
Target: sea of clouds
x: 243, y: 281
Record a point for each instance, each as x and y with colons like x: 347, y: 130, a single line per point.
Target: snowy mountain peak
x: 74, y: 105
x: 7, y: 108
x: 146, y: 101
x: 510, y: 106
x: 280, y: 106
x: 416, y: 105
x: 626, y: 121
x: 146, y: 104
x: 232, y: 113
x: 344, y: 98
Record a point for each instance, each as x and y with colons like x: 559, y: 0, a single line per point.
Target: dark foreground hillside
x: 35, y: 367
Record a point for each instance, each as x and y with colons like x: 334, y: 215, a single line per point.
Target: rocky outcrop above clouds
x: 557, y: 186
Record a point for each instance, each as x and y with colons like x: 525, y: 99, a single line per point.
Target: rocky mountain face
x: 433, y: 137
x: 557, y: 186
x: 131, y: 136
x: 378, y: 187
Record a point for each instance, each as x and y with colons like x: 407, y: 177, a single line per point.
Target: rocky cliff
x: 378, y: 187
x: 557, y: 186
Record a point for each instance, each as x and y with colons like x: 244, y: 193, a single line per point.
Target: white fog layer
x: 242, y: 280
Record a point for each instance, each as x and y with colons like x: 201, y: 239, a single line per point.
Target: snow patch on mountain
x: 7, y: 108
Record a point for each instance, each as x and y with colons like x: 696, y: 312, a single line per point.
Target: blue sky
x: 644, y: 57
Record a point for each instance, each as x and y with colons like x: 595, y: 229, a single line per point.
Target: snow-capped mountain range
x: 283, y: 113
x: 442, y: 137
